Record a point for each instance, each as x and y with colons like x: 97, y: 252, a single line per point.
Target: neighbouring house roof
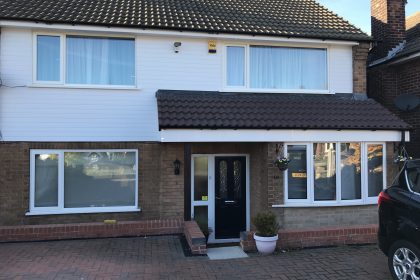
x: 290, y: 18
x: 408, y: 47
x: 212, y: 110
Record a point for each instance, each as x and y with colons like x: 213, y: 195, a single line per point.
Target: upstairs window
x: 235, y: 66
x: 276, y: 68
x: 48, y: 58
x: 85, y: 60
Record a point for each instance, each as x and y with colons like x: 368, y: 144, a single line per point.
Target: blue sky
x: 358, y: 11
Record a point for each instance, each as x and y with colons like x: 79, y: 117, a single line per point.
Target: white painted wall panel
x: 341, y: 69
x: 68, y: 114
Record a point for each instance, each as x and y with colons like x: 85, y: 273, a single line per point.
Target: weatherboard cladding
x: 294, y: 18
x: 212, y: 110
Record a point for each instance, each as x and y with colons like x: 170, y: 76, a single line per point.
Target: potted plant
x: 266, y: 234
x: 282, y: 163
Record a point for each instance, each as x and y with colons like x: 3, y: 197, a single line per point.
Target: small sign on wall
x: 212, y: 46
x: 299, y: 174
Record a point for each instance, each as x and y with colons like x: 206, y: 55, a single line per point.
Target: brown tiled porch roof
x: 216, y: 110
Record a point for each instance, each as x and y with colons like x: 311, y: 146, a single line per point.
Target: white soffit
x: 285, y: 135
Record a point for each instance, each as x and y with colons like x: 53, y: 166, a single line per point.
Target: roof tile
x: 205, y: 109
x: 296, y: 18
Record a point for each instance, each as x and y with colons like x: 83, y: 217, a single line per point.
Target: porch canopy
x: 210, y: 116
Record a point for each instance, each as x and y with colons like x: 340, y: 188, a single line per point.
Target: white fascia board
x: 280, y: 135
x: 169, y: 33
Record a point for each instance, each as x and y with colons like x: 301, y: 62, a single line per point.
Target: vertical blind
x: 99, y: 61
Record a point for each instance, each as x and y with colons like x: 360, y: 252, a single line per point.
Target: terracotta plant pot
x: 266, y: 245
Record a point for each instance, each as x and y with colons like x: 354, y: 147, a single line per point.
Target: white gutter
x: 158, y: 32
x: 412, y: 56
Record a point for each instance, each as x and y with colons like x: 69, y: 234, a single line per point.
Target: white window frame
x: 247, y: 88
x: 374, y: 199
x: 210, y: 203
x: 63, y: 66
x: 309, y: 195
x: 35, y: 58
x: 310, y: 201
x: 60, y: 209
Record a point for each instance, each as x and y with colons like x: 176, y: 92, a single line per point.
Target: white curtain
x: 288, y: 68
x: 100, y: 61
x: 48, y: 58
x: 235, y: 66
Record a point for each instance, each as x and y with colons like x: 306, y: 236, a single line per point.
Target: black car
x: 399, y: 223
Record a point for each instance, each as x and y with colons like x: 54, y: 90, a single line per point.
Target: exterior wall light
x: 177, y: 166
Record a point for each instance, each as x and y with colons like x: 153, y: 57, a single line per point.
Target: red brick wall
x: 160, y: 191
x: 316, y: 237
x: 171, y: 200
x: 387, y: 82
x: 90, y: 230
x: 195, y: 238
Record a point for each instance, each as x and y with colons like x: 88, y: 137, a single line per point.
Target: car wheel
x: 404, y: 261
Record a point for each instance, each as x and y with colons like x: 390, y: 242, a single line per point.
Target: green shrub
x: 265, y: 224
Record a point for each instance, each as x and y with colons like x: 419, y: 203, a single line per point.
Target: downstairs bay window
x: 337, y: 173
x: 87, y: 181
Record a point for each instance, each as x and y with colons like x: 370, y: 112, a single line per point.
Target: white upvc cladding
x: 33, y: 112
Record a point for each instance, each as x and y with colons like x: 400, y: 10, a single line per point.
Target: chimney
x: 388, y: 25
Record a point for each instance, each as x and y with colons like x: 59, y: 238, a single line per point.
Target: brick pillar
x: 360, y: 53
x: 171, y: 185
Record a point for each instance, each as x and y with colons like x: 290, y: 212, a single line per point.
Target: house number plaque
x: 299, y: 174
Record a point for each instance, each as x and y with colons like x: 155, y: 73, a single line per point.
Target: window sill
x: 306, y: 205
x: 46, y: 85
x: 245, y: 90
x: 82, y: 211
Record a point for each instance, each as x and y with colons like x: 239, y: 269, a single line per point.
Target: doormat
x: 225, y: 253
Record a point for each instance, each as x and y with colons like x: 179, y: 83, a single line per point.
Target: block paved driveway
x: 162, y: 258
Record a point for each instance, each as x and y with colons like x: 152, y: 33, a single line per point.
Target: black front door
x: 230, y: 193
